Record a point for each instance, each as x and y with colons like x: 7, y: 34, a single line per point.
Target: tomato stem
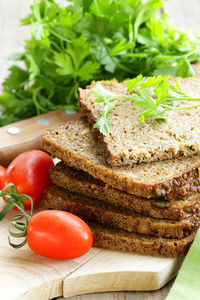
x: 15, y: 199
x: 6, y: 209
x: 19, y: 226
x: 17, y: 246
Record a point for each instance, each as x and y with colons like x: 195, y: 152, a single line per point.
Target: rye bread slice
x: 80, y: 182
x: 129, y: 142
x: 121, y: 240
x: 76, y: 144
x: 99, y: 211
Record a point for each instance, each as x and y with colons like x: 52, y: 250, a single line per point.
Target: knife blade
x: 26, y: 135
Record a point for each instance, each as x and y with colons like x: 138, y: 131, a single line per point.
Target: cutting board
x: 26, y: 275
x: 26, y: 135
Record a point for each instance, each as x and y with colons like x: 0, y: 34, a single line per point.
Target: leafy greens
x: 154, y: 94
x: 90, y: 40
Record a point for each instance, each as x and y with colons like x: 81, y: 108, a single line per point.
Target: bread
x: 80, y: 182
x: 121, y: 240
x: 96, y: 210
x: 129, y: 142
x: 76, y: 144
x: 118, y: 239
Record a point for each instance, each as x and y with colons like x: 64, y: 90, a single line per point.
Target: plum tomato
x: 59, y: 235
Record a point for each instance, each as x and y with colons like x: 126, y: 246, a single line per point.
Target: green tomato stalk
x: 14, y: 199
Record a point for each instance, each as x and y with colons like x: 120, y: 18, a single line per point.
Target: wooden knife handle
x: 30, y: 133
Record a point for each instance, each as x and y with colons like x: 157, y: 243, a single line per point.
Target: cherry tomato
x: 58, y: 234
x: 2, y: 172
x: 29, y: 172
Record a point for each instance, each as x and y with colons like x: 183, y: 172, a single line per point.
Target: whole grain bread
x: 76, y: 144
x: 96, y: 210
x: 130, y: 142
x: 121, y: 240
x: 80, y: 182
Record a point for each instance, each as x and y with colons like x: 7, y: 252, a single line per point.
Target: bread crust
x: 76, y: 144
x: 96, y: 210
x: 80, y: 182
x: 129, y: 141
x: 121, y: 240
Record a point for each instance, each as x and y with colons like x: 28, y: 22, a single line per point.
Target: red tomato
x: 58, y: 234
x: 29, y: 172
x: 2, y: 172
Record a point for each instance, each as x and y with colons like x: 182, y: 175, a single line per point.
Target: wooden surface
x: 30, y: 134
x: 184, y: 13
x: 25, y: 275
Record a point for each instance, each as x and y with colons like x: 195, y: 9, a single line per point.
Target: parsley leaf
x: 154, y: 94
x: 93, y: 40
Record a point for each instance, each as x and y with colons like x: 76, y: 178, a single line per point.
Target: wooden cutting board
x: 26, y: 275
x: 26, y: 135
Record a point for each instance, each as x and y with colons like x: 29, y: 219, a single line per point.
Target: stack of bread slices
x: 138, y: 187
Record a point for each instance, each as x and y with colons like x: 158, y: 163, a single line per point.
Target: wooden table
x: 184, y: 14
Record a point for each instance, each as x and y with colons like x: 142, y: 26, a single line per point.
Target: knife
x: 26, y: 135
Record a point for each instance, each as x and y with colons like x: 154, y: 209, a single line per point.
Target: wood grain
x: 25, y: 275
x: 30, y: 134
x: 113, y: 270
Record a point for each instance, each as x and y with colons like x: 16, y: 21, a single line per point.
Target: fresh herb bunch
x: 154, y: 94
x: 90, y: 39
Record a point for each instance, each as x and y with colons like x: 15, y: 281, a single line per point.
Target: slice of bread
x: 96, y: 210
x: 76, y: 143
x: 121, y: 240
x: 80, y: 182
x: 129, y: 142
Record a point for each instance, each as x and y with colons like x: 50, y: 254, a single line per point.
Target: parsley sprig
x: 154, y: 94
x: 87, y: 40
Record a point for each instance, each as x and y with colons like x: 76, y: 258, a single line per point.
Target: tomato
x: 2, y: 172
x: 58, y: 234
x: 29, y: 172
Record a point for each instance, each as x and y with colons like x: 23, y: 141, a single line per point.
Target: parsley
x: 91, y: 40
x: 154, y: 94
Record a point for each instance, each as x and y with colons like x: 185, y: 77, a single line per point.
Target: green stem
x: 5, y: 210
x: 23, y: 212
x: 19, y: 226
x: 15, y: 199
x: 115, y: 62
x: 62, y: 45
x: 17, y: 246
x: 179, y: 108
x: 181, y: 99
x: 56, y: 46
x: 130, y: 29
x: 37, y: 105
x: 60, y: 37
